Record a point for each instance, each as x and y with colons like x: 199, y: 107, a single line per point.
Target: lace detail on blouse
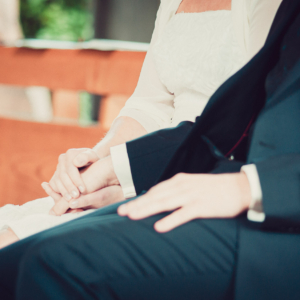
x: 193, y: 56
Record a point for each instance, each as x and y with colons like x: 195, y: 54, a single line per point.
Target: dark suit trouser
x: 105, y: 256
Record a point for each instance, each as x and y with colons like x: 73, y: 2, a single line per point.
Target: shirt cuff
x: 255, y: 212
x: 122, y: 169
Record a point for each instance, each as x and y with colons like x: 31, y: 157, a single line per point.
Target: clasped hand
x: 83, y: 181
x: 186, y: 196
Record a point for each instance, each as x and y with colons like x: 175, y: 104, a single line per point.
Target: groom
x: 253, y: 120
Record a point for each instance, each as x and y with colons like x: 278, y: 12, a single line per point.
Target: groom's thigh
x: 112, y: 257
x: 12, y: 256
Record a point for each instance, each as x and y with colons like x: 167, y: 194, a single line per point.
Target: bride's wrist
x: 99, y: 175
x: 102, y: 149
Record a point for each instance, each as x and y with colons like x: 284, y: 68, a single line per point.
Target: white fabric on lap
x: 33, y: 217
x: 15, y: 212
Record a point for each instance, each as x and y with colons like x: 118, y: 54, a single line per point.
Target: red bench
x: 29, y: 150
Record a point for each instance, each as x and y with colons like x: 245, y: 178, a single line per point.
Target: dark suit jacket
x: 259, y: 123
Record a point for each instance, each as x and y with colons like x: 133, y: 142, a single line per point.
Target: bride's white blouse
x: 191, y: 55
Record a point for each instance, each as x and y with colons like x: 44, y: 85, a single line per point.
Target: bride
x: 195, y: 47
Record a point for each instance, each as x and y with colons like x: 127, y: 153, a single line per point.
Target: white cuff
x: 255, y: 212
x: 122, y: 169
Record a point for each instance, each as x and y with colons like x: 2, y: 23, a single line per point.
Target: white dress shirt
x: 255, y: 212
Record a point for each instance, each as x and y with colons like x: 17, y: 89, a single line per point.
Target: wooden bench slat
x: 29, y: 153
x: 99, y: 72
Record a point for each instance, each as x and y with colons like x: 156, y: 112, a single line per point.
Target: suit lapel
x: 238, y: 101
x: 243, y: 96
x: 286, y: 89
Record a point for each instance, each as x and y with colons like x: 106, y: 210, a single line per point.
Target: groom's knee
x: 43, y: 269
x: 44, y: 252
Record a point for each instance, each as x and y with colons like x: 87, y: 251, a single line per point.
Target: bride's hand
x: 95, y: 177
x: 98, y: 199
x: 61, y: 205
x: 66, y: 179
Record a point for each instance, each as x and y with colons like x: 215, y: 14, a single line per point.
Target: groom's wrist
x: 121, y: 164
x: 244, y: 189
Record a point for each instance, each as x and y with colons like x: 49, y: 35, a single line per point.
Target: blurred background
x: 67, y: 24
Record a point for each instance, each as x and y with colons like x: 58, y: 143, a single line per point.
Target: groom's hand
x: 66, y: 179
x: 99, y: 175
x: 192, y: 196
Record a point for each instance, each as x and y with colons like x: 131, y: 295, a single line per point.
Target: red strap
x: 245, y: 134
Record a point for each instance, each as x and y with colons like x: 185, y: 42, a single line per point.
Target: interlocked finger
x: 60, y: 208
x: 67, y: 180
x: 52, y: 183
x: 85, y: 158
x: 75, y: 178
x: 72, y: 191
x: 61, y: 188
x: 99, y: 198
x: 55, y: 196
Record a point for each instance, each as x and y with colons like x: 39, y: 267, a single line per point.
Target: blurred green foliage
x: 70, y: 20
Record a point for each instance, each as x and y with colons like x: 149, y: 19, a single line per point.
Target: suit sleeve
x: 280, y: 183
x: 150, y: 154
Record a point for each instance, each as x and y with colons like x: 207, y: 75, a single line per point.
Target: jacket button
x: 231, y: 158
